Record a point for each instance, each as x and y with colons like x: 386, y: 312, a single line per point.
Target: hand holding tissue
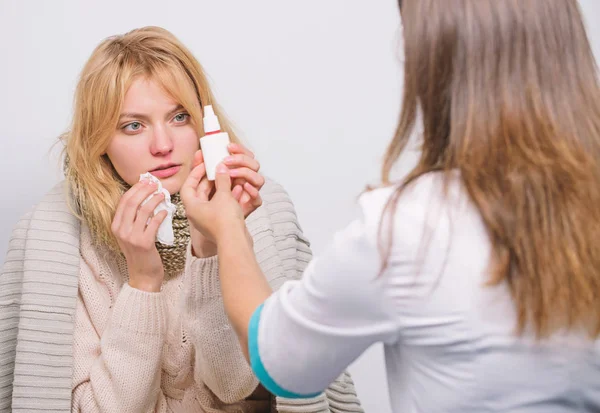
x: 165, y: 233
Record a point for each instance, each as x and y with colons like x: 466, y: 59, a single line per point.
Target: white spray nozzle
x: 211, y: 122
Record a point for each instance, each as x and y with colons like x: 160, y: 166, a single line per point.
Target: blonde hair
x: 94, y: 185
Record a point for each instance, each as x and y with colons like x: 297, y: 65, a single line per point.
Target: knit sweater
x: 167, y: 351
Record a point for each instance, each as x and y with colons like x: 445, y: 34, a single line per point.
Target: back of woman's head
x: 509, y: 95
x: 150, y: 52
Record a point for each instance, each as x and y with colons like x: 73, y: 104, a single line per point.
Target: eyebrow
x: 131, y: 115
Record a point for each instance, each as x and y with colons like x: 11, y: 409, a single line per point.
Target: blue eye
x: 133, y: 127
x: 181, y: 117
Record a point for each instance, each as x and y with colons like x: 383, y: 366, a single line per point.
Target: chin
x: 172, y: 184
x: 172, y: 187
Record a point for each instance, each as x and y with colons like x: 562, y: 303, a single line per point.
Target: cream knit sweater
x: 107, y: 347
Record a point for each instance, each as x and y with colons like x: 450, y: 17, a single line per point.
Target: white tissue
x: 165, y: 231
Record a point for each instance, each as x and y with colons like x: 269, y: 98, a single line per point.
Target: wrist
x: 235, y: 233
x: 146, y: 284
x: 202, y: 247
x: 204, y: 250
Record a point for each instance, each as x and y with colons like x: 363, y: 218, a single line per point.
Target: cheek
x: 119, y: 152
x: 188, y: 143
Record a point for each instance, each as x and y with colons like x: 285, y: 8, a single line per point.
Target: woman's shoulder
x: 277, y: 205
x: 52, y: 212
x: 273, y: 192
x: 54, y: 200
x: 419, y: 191
x: 429, y: 196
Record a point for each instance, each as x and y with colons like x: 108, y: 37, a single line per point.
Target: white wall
x: 313, y: 85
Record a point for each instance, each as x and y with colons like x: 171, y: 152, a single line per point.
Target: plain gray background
x: 313, y: 86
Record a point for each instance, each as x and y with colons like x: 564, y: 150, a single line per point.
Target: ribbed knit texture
x: 39, y: 296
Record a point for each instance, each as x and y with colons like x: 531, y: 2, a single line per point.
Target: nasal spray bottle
x: 213, y: 143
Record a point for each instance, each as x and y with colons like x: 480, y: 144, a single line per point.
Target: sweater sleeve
x: 118, y: 370
x: 220, y: 363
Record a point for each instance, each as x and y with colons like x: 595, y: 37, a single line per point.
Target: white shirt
x: 450, y: 341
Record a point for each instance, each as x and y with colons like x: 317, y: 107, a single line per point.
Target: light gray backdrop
x: 314, y: 87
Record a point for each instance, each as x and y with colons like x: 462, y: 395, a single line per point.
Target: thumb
x: 222, y: 179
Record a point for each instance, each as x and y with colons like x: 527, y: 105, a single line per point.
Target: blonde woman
x: 95, y: 316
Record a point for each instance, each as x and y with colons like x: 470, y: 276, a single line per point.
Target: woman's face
x: 154, y: 134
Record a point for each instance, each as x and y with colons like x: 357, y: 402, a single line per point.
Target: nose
x: 162, y: 143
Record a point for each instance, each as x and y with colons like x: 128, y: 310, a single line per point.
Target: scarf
x: 173, y: 256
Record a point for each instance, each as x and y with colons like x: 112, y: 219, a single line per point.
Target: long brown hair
x: 509, y: 96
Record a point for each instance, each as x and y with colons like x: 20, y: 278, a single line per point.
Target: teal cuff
x: 257, y: 365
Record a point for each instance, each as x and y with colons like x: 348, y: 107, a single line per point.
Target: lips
x: 166, y: 171
x: 164, y: 166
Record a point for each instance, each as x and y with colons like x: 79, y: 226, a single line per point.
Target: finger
x: 198, y: 158
x: 241, y: 161
x: 248, y: 175
x: 237, y: 181
x: 205, y: 189
x: 190, y: 186
x: 152, y: 228
x: 251, y: 190
x: 147, y: 211
x: 245, y: 198
x: 256, y: 202
x: 237, y: 192
x: 123, y: 201
x: 256, y: 199
x: 223, y: 180
x: 134, y: 202
x: 239, y: 148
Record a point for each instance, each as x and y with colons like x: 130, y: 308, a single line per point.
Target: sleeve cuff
x: 257, y: 365
x: 205, y: 274
x: 140, y: 311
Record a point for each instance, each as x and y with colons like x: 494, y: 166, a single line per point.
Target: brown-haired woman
x: 481, y: 270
